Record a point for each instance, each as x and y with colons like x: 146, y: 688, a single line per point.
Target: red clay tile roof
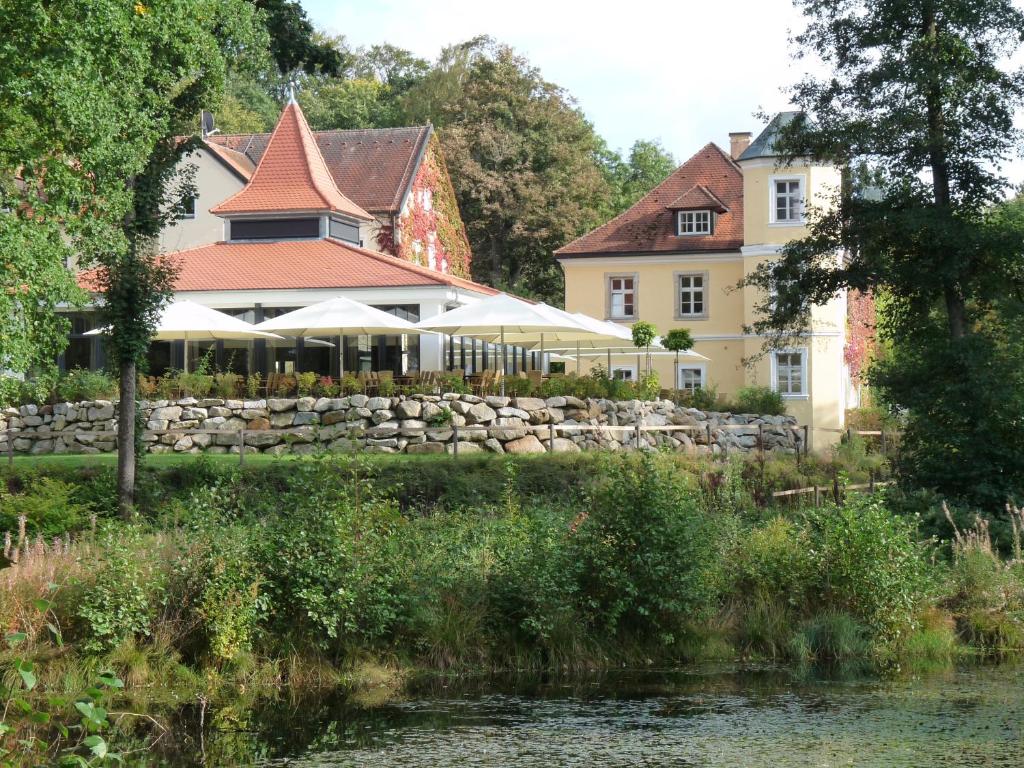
x: 236, y: 161
x: 373, y: 167
x: 291, y: 175
x: 696, y: 198
x: 649, y: 226
x: 295, y: 264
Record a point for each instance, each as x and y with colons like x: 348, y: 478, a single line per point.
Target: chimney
x: 738, y: 142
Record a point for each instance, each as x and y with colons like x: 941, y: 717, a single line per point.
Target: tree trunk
x: 956, y: 310
x: 126, y: 442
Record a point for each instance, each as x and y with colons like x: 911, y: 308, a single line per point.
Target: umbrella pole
x: 504, y: 361
x: 542, y: 354
x: 577, y: 358
x: 609, y: 371
x: 184, y: 355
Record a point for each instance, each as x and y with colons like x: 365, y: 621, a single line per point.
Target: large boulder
x: 425, y: 448
x: 565, y: 445
x: 463, y: 447
x: 102, y: 410
x: 276, y: 405
x: 168, y: 413
x: 305, y: 417
x: 529, y: 403
x: 480, y: 412
x: 528, y: 444
x: 410, y: 409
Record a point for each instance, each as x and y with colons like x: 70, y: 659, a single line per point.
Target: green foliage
x: 703, y: 399
x: 678, y: 340
x: 293, y: 42
x: 868, y: 565
x: 647, y: 166
x: 118, y: 603
x: 80, y: 384
x: 919, y: 106
x: 762, y: 400
x: 647, y: 552
x: 305, y: 382
x: 331, y: 572
x: 253, y: 382
x: 49, y: 505
x: 831, y: 636
x: 644, y: 334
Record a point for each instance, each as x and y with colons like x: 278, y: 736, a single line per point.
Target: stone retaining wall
x: 413, y: 424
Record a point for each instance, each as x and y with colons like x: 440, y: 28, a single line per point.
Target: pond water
x: 967, y: 716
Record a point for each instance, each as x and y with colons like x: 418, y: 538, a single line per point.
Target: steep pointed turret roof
x: 291, y: 176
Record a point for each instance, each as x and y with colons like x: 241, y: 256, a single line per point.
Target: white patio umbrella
x: 656, y: 351
x: 339, y: 317
x: 500, y: 316
x: 187, y: 321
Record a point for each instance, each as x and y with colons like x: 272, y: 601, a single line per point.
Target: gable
x: 649, y: 226
x: 373, y: 167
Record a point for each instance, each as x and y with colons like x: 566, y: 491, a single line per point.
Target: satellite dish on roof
x: 207, y: 123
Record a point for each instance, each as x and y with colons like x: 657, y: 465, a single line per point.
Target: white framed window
x: 787, y: 200
x: 690, y: 377
x: 624, y: 372
x: 622, y: 296
x: 694, y: 222
x: 691, y: 294
x: 789, y: 372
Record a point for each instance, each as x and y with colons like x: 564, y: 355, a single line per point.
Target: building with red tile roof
x: 678, y: 258
x: 288, y: 236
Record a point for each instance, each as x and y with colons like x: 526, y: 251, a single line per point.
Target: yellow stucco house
x: 675, y: 258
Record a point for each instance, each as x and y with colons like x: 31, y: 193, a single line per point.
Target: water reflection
x: 970, y: 716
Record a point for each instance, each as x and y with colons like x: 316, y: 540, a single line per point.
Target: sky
x: 679, y: 71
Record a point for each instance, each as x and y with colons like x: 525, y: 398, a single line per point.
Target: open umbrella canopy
x: 499, y: 315
x: 338, y: 317
x: 187, y: 321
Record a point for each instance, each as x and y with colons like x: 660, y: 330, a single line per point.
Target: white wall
x: 215, y: 183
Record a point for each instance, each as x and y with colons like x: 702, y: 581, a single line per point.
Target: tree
x: 678, y: 340
x: 919, y: 92
x: 294, y: 43
x: 98, y: 92
x: 523, y: 160
x: 647, y: 166
x: 644, y: 334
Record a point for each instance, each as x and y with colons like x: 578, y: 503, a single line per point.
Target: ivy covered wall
x: 430, y: 231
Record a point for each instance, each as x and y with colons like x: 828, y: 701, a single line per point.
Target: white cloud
x: 684, y: 72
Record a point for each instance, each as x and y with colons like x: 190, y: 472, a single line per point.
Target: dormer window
x: 694, y: 222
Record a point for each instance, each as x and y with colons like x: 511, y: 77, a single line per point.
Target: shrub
x: 305, y: 382
x: 868, y: 565
x: 194, y: 384
x: 701, y: 398
x: 647, y: 551
x: 331, y: 562
x: 773, y: 561
x: 81, y: 384
x: 760, y: 400
x: 118, y: 603
x: 253, y: 384
x: 49, y: 506
x: 226, y: 385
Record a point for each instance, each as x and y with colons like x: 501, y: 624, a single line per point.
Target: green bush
x: 80, y: 384
x: 49, y: 506
x: 331, y: 561
x: 647, y: 552
x: 120, y: 602
x: 868, y: 565
x: 702, y: 398
x: 760, y: 400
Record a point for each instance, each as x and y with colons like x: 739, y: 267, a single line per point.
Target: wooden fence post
x: 10, y: 449
x: 871, y: 480
x: 884, y: 452
x: 551, y: 438
x: 638, y: 435
x: 455, y: 439
x: 815, y: 496
x: 835, y: 488
x: 241, y: 448
x: 708, y: 426
x: 807, y: 440
x: 760, y: 444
